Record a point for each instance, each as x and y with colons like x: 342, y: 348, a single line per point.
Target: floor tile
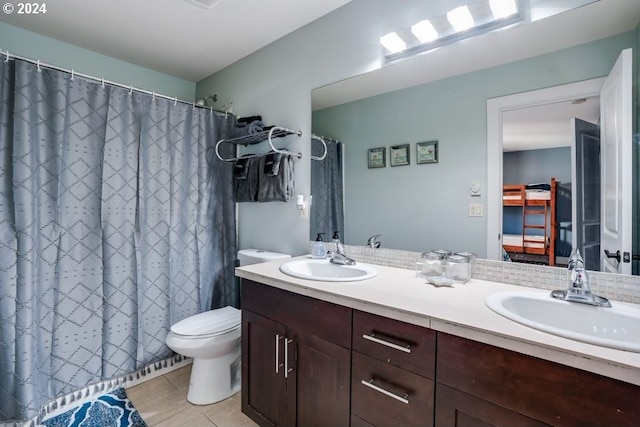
x: 156, y: 400
x: 162, y: 402
x: 180, y: 379
x: 189, y: 417
x: 227, y: 413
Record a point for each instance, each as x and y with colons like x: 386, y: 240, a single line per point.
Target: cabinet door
x: 322, y: 378
x: 457, y: 409
x: 263, y: 381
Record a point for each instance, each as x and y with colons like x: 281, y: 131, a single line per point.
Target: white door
x: 616, y: 166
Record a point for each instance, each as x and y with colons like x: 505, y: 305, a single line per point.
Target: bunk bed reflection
x: 535, y: 241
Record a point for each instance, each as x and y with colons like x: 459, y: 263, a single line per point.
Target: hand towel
x: 246, y: 179
x: 279, y: 187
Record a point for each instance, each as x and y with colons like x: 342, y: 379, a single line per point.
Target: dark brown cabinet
x: 479, y: 382
x: 296, y: 357
x: 393, y: 366
x: 307, y: 362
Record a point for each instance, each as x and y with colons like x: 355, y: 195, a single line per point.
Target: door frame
x: 495, y: 108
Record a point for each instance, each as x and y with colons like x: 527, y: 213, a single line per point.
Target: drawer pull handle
x: 370, y: 384
x: 406, y: 348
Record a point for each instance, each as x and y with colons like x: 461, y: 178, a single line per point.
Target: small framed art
x: 377, y: 157
x: 427, y: 152
x: 399, y: 155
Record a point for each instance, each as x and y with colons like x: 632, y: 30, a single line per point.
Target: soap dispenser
x: 319, y: 249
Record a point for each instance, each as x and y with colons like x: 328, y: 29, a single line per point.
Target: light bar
x: 424, y: 31
x: 503, y: 8
x: 393, y: 42
x: 460, y: 18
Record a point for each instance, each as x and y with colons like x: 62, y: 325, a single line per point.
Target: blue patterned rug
x: 113, y: 409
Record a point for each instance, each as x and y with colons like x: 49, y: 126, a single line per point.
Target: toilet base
x: 213, y: 380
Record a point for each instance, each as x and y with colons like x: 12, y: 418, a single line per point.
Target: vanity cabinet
x: 483, y: 385
x: 307, y: 362
x: 296, y: 358
x: 392, y: 378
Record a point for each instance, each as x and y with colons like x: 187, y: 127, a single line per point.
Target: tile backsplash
x: 617, y: 287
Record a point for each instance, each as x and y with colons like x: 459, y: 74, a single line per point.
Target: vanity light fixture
x: 424, y: 31
x: 503, y: 8
x: 475, y: 18
x: 393, y: 42
x: 460, y: 18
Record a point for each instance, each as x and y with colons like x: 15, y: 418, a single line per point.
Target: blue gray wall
x: 430, y: 201
x: 36, y: 46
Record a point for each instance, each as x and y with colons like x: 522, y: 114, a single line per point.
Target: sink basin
x: 616, y: 327
x: 323, y: 270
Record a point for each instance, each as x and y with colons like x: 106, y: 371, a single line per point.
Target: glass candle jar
x: 432, y: 264
x: 457, y: 267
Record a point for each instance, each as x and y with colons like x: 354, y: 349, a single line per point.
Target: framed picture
x: 377, y: 157
x: 399, y: 155
x: 427, y: 152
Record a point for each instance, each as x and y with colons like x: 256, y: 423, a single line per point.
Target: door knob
x: 610, y: 255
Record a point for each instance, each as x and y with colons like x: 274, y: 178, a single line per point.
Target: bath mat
x: 113, y: 409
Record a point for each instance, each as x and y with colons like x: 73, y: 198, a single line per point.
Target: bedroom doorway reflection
x: 538, y: 218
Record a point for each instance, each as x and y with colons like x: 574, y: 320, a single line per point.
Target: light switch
x: 475, y: 209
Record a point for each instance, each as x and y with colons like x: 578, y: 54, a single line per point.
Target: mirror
x: 426, y: 206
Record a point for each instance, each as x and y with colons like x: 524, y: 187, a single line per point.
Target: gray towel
x: 255, y: 126
x: 246, y: 179
x: 277, y: 187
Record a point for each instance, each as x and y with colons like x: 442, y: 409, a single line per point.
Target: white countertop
x: 459, y: 310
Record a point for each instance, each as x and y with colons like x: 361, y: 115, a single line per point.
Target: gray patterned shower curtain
x: 327, y: 209
x: 116, y: 221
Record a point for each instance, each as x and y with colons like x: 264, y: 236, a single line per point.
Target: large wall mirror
x: 452, y: 201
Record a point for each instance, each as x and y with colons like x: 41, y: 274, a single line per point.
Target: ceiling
x: 546, y: 126
x: 176, y: 37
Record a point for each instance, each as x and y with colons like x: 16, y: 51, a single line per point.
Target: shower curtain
x: 327, y: 210
x: 116, y: 221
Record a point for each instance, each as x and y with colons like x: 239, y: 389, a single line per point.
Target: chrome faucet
x: 579, y: 289
x: 339, y: 256
x: 372, y: 242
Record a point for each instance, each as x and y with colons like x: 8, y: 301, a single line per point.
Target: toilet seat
x: 208, y: 324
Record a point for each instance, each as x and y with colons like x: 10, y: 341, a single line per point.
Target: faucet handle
x: 372, y: 241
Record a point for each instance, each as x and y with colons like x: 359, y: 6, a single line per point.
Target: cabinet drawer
x: 397, y: 343
x: 390, y: 396
x: 328, y: 321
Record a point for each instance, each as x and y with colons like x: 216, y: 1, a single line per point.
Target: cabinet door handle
x: 405, y: 348
x: 286, y: 357
x: 278, y: 353
x: 379, y: 389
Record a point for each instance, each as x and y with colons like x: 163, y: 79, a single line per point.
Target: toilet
x: 212, y: 339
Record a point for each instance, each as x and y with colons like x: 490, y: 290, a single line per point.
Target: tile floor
x: 162, y: 402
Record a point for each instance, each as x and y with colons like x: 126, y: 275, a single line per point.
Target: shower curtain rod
x: 8, y: 56
x: 325, y: 139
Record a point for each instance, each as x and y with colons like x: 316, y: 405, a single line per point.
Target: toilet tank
x: 255, y: 256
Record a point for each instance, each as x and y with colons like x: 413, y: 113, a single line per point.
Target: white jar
x: 432, y: 264
x: 458, y: 268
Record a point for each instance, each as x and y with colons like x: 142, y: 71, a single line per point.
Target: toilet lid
x: 211, y: 322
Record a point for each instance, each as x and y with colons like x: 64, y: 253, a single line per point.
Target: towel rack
x: 255, y: 138
x: 324, y: 141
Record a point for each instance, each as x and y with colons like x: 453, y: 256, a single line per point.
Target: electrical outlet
x: 475, y: 209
